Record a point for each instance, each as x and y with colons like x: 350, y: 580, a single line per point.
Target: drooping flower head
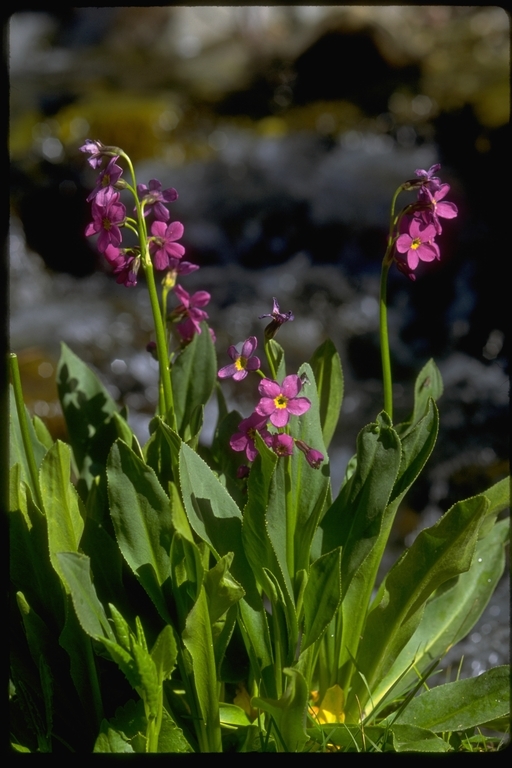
x: 313, y: 457
x: 278, y: 318
x: 278, y: 401
x: 189, y: 310
x: 243, y: 361
x: 154, y: 198
x: 163, y: 246
x: 428, y: 178
x: 244, y: 439
x: 107, y: 216
x: 125, y: 264
x: 97, y: 152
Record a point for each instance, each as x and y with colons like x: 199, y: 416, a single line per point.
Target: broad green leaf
x: 111, y: 741
x: 417, y: 445
x: 164, y: 653
x: 187, y: 575
x: 438, y: 554
x: 197, y: 638
x: 37, y: 633
x: 123, y: 732
x: 141, y: 514
x: 76, y: 573
x: 193, y: 376
x: 411, y: 738
x: 232, y: 715
x: 289, y: 712
x: 326, y: 366
x: 275, y: 350
x: 64, y: 509
x: 214, y: 516
x: 172, y: 738
x: 221, y: 589
x: 499, y: 499
x: 450, y: 614
x: 429, y: 384
x: 322, y: 596
x: 461, y: 705
x: 88, y: 409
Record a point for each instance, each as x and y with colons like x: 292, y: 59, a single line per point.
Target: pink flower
x: 244, y: 440
x: 154, y: 199
x: 278, y: 318
x: 242, y: 361
x: 313, y: 457
x: 280, y: 400
x: 107, y: 216
x: 96, y: 150
x: 445, y: 210
x: 282, y: 444
x: 162, y: 245
x: 189, y: 309
x: 107, y: 178
x: 428, y: 178
x: 124, y: 266
x: 418, y: 244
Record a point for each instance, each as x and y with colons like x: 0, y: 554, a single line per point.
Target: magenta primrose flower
x: 433, y: 182
x: 154, y: 199
x: 96, y: 150
x: 163, y: 246
x: 418, y: 244
x: 243, y: 361
x: 437, y: 209
x: 313, y: 457
x: 107, y: 216
x: 244, y: 440
x: 282, y: 444
x: 125, y: 265
x: 280, y: 400
x: 189, y: 309
x: 107, y: 178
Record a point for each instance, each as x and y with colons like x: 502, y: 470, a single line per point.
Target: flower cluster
x: 278, y: 402
x: 419, y: 223
x: 160, y: 246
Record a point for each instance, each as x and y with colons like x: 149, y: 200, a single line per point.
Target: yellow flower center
x: 107, y: 224
x: 241, y: 363
x: 415, y: 243
x: 280, y: 401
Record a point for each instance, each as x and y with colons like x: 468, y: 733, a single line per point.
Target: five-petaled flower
x: 107, y: 178
x: 244, y: 439
x: 163, y: 246
x: 243, y: 361
x: 189, y: 309
x: 154, y: 198
x: 282, y: 444
x: 125, y: 265
x: 278, y: 401
x: 445, y: 210
x: 418, y: 244
x: 107, y: 216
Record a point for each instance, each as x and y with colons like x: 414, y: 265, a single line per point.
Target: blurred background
x: 286, y: 131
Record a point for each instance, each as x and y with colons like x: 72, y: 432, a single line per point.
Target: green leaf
x: 42, y: 432
x: 88, y: 409
x: 449, y: 615
x: 75, y: 569
x: 429, y: 384
x: 438, y: 554
x: 172, y: 738
x: 499, y: 499
x: 289, y: 712
x: 232, y: 715
x: 197, y: 638
x: 64, y: 509
x: 164, y: 653
x: 349, y: 736
x: 411, y: 738
x: 193, y: 375
x: 326, y: 366
x: 16, y: 448
x: 461, y: 705
x: 141, y: 514
x: 124, y: 732
x: 322, y: 596
x: 221, y: 589
x: 277, y: 353
x: 213, y: 515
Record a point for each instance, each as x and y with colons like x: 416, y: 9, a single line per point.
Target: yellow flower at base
x: 332, y: 707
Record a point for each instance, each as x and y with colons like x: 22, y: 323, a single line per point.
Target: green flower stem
x: 290, y: 518
x: 25, y: 434
x: 160, y: 333
x: 384, y: 342
x: 270, y: 359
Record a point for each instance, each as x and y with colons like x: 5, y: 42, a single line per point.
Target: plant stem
x: 25, y: 434
x: 290, y: 518
x: 384, y: 342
